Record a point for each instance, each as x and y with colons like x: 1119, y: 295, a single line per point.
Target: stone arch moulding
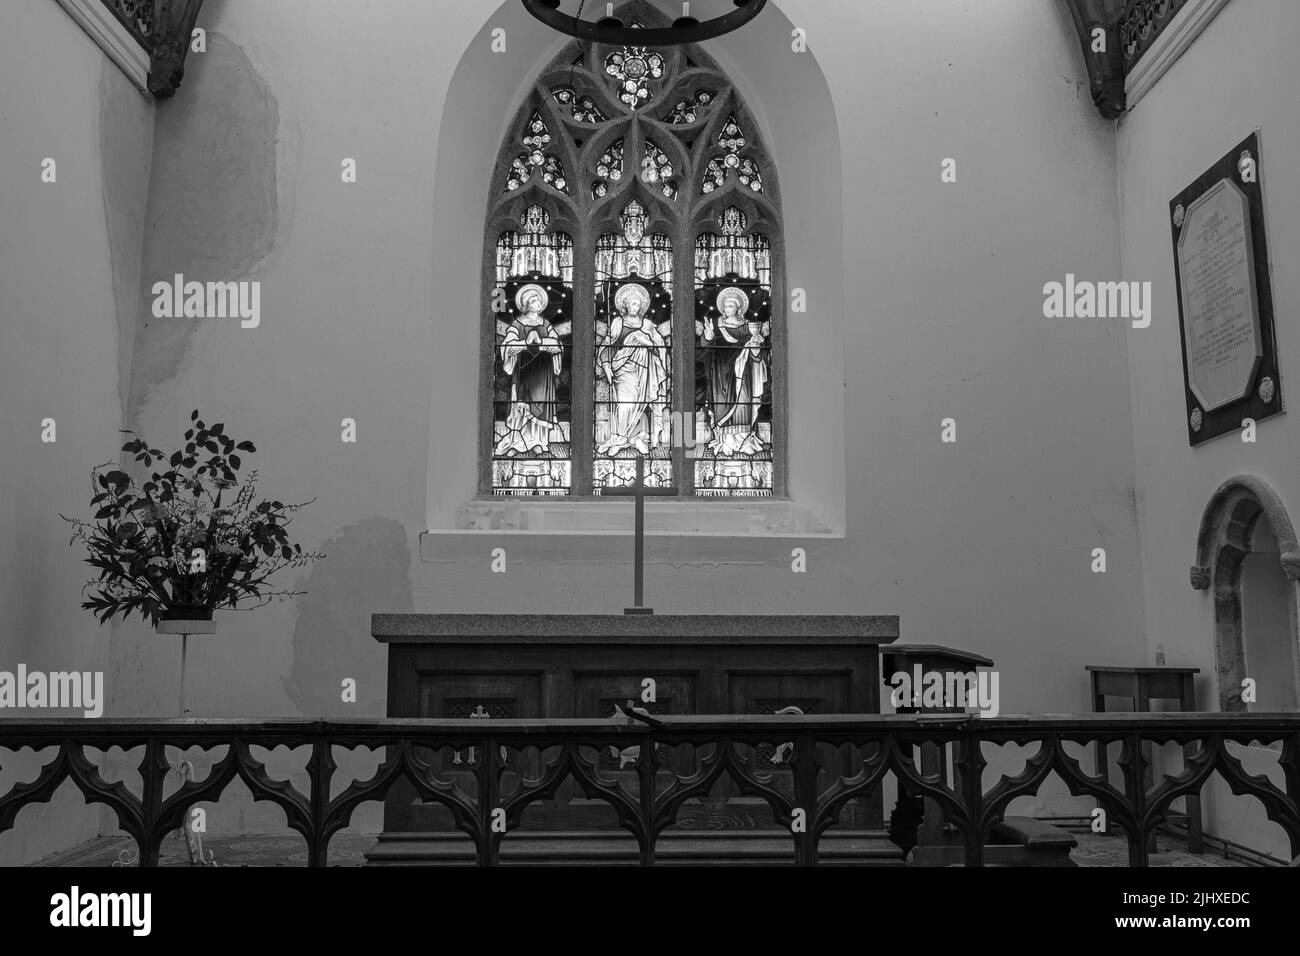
x: 791, y: 103
x: 1222, y: 543
x: 1229, y: 520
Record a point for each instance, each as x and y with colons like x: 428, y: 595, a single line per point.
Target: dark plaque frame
x: 1228, y: 418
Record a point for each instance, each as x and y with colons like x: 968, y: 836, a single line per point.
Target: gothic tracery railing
x: 833, y: 760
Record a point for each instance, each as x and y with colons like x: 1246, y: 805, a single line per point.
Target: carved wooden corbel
x: 1098, y: 23
x: 173, y: 25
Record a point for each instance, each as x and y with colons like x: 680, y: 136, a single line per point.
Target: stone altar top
x: 688, y: 629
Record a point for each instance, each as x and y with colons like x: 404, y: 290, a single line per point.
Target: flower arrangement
x: 190, y: 539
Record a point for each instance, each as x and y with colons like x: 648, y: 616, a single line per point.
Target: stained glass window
x: 657, y: 170
x: 636, y: 70
x: 609, y: 169
x: 634, y: 361
x: 582, y: 108
x: 732, y: 141
x: 733, y: 360
x: 633, y: 243
x: 689, y: 109
x: 536, y: 139
x: 533, y: 359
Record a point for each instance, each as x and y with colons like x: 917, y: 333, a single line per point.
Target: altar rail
x: 862, y: 751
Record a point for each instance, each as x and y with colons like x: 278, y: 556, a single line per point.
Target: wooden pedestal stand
x: 185, y: 769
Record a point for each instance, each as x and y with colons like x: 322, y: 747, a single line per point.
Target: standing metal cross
x: 638, y: 491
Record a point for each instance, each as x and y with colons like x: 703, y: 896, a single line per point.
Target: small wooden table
x: 1142, y: 685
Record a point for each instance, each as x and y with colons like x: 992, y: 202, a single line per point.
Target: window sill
x: 756, y: 517
x: 605, y: 549
x: 679, y: 532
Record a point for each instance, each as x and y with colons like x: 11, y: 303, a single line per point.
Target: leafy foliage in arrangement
x: 193, y: 536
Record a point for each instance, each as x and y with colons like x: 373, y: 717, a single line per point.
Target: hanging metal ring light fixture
x: 611, y: 30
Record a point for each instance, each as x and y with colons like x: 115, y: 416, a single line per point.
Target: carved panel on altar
x: 541, y: 666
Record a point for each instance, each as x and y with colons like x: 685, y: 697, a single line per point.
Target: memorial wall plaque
x: 1225, y: 302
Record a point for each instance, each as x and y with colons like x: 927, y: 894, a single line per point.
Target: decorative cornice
x: 1167, y: 45
x: 1143, y: 38
x: 1141, y: 24
x: 134, y: 32
x: 120, y: 44
x: 136, y: 16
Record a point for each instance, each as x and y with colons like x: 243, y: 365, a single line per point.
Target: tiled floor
x: 347, y: 849
x: 1094, y: 849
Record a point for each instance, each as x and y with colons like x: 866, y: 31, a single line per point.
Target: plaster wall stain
x: 366, y: 569
x: 213, y: 209
x: 125, y: 144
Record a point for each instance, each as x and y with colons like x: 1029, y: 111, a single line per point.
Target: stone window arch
x: 1229, y: 528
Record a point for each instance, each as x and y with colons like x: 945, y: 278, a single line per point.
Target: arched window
x: 633, y: 282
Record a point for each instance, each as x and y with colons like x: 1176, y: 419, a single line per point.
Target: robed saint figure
x: 633, y: 359
x: 532, y: 356
x: 736, y: 369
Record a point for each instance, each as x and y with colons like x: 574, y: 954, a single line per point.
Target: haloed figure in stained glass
x: 633, y: 360
x: 736, y: 368
x: 532, y: 356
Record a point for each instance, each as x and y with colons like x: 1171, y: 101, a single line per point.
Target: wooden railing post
x: 646, y: 798
x: 805, y: 791
x: 152, y: 774
x: 1290, y: 764
x: 971, y: 787
x: 1134, y: 765
x: 489, y: 792
x: 321, y: 771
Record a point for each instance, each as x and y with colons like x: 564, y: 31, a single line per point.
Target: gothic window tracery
x: 657, y: 170
x: 581, y: 106
x: 636, y: 69
x: 732, y: 141
x: 536, y: 138
x: 609, y: 170
x: 690, y: 109
x: 632, y: 306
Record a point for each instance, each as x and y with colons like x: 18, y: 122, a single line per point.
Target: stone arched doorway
x: 1245, y: 519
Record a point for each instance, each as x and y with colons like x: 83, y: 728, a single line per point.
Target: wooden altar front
x: 582, y: 665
